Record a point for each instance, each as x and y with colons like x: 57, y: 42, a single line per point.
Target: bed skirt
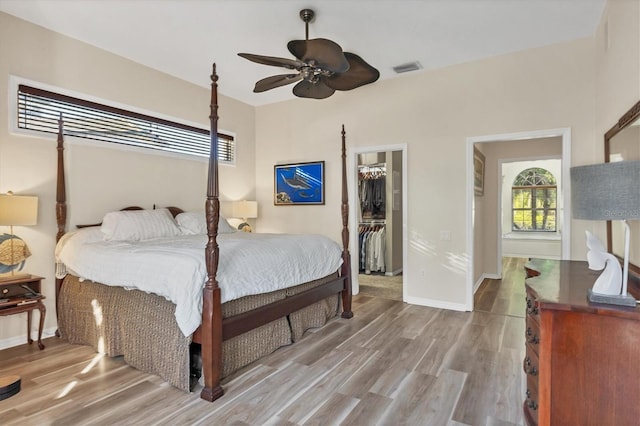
x: 142, y: 328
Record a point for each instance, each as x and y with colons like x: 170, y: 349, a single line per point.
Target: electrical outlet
x: 445, y: 235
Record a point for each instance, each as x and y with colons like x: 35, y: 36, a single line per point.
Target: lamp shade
x: 608, y: 191
x: 18, y: 210
x: 244, y: 209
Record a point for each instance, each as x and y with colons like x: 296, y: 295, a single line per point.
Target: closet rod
x: 372, y: 165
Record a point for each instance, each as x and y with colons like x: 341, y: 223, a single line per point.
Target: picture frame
x: 478, y: 172
x: 298, y: 184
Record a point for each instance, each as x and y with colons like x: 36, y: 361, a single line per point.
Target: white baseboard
x: 393, y: 273
x: 484, y: 277
x: 21, y: 340
x: 435, y: 303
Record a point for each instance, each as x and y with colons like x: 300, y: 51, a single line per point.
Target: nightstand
x: 23, y: 295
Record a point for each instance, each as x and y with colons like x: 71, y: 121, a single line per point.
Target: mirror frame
x: 628, y: 118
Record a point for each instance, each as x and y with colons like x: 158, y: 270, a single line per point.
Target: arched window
x: 534, y: 194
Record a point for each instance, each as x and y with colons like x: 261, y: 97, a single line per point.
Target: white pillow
x: 136, y: 225
x: 79, y: 237
x: 195, y: 223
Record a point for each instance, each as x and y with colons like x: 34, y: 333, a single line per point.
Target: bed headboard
x: 175, y: 211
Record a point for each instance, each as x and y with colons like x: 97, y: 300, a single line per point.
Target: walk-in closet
x: 380, y: 224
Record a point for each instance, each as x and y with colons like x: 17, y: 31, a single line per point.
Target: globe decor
x: 15, y: 210
x: 13, y: 253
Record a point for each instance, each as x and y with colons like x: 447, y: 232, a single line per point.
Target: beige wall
x: 101, y: 179
x: 618, y: 85
x: 578, y: 84
x: 616, y: 89
x: 617, y: 58
x: 433, y: 112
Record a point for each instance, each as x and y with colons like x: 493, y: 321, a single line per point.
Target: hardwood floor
x: 505, y: 296
x: 392, y: 364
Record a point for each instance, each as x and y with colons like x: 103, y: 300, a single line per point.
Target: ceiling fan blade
x: 324, y: 53
x: 318, y: 90
x: 359, y: 74
x: 272, y: 60
x: 276, y: 81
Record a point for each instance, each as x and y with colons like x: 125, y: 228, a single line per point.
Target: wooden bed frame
x: 215, y: 329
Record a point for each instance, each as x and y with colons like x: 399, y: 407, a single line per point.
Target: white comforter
x: 175, y: 269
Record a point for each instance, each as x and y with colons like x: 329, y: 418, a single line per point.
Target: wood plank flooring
x: 392, y: 364
x: 505, y: 296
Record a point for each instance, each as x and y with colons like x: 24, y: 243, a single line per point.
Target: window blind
x: 39, y: 110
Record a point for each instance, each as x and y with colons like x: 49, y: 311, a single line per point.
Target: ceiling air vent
x: 409, y: 66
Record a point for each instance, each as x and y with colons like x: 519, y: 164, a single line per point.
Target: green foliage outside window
x: 534, y: 197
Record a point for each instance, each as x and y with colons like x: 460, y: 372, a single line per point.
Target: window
x: 39, y: 110
x: 534, y: 195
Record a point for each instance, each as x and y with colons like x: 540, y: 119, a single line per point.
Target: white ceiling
x: 184, y: 37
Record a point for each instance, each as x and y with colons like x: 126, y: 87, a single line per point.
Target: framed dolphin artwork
x: 298, y: 184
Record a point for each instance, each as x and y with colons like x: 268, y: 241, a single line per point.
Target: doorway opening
x: 379, y: 210
x: 484, y: 212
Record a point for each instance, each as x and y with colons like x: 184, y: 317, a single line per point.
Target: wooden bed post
x: 346, y: 257
x: 211, y: 303
x: 61, y: 200
x: 213, y: 330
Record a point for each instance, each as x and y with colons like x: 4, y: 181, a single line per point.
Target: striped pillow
x: 137, y: 225
x: 195, y: 223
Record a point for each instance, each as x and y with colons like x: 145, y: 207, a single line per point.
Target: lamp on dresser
x: 608, y: 191
x: 244, y: 210
x: 15, y: 210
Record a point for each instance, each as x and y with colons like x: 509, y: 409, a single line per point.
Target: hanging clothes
x: 372, y: 189
x: 372, y: 241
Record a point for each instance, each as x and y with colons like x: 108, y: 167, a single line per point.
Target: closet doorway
x: 379, y: 206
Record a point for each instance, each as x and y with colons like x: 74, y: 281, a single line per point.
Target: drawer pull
x: 528, y: 368
x: 532, y: 338
x: 530, y: 402
x: 532, y: 309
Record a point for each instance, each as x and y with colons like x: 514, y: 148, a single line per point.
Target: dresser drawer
x: 532, y: 334
x: 531, y: 400
x: 530, y: 366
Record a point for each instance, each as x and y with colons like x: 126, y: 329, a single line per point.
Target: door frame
x: 352, y: 186
x: 565, y: 134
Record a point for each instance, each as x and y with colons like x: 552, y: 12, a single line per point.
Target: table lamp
x: 608, y: 191
x: 244, y: 210
x: 15, y: 210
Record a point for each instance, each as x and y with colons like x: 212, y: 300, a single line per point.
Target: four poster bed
x: 230, y: 332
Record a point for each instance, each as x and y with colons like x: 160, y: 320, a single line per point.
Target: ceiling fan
x: 322, y: 67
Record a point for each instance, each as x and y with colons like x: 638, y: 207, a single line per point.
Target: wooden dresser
x: 582, y: 360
